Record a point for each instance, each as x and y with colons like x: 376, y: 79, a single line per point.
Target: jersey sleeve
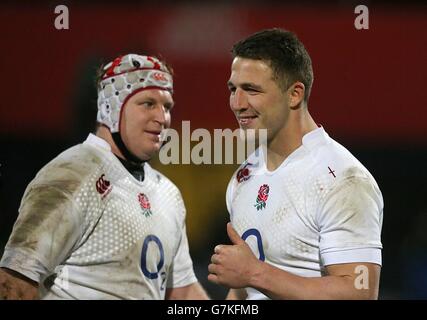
x: 182, y: 273
x: 47, y: 228
x: 229, y: 194
x: 350, y: 222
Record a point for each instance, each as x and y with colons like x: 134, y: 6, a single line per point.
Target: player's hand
x: 233, y: 265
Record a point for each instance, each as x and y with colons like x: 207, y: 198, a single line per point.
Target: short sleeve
x: 182, y: 273
x: 44, y: 234
x: 350, y: 222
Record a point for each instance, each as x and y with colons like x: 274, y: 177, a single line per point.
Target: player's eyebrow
x: 153, y: 100
x: 245, y: 86
x: 251, y: 86
x: 166, y: 103
x: 230, y: 84
x: 169, y: 105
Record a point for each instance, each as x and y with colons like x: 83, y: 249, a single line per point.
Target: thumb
x: 233, y: 235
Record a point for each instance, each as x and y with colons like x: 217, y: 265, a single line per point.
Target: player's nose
x: 238, y: 100
x: 160, y: 114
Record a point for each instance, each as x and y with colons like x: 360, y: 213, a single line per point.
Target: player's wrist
x: 257, y: 273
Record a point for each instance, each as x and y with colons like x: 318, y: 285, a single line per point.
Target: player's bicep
x: 362, y: 278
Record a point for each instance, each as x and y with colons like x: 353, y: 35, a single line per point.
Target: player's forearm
x: 278, y: 284
x: 196, y: 292
x: 191, y: 292
x: 14, y: 287
x: 236, y: 294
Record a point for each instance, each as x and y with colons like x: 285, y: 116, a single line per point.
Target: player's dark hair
x: 285, y: 54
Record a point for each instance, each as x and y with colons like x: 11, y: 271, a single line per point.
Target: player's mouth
x: 155, y: 134
x: 246, y: 120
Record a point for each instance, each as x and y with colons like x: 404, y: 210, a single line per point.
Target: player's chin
x: 148, y: 152
x: 254, y: 130
x: 251, y: 126
x: 152, y: 152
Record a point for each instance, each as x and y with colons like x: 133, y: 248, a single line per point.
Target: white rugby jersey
x: 320, y: 207
x: 87, y: 229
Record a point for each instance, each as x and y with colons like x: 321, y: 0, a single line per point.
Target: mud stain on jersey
x: 46, y: 219
x: 48, y: 223
x: 74, y: 168
x: 356, y: 200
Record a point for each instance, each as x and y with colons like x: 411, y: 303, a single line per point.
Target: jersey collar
x: 96, y: 141
x: 316, y: 137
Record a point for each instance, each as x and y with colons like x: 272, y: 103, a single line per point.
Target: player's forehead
x: 159, y: 95
x: 250, y: 70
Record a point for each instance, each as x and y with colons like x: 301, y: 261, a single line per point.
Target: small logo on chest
x: 103, y: 186
x: 261, y: 199
x: 244, y: 173
x: 145, y: 204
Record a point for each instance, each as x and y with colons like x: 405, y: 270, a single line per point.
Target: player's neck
x: 289, y: 138
x: 104, y: 133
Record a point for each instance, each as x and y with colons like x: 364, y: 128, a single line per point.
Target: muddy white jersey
x: 320, y: 207
x: 87, y: 229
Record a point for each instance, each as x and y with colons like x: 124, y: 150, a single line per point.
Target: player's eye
x: 168, y: 107
x: 147, y: 104
x: 252, y: 91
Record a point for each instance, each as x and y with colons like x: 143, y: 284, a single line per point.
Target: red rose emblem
x: 145, y: 204
x: 263, y: 192
x: 143, y: 201
x: 262, y: 197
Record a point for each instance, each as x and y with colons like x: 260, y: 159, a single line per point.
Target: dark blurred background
x: 369, y: 93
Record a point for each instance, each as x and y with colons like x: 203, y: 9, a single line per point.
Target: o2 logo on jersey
x: 153, y: 274
x: 257, y: 235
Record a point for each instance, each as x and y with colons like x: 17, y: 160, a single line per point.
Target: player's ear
x: 296, y: 95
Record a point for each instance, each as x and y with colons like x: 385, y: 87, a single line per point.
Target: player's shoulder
x: 70, y: 169
x: 331, y: 170
x: 332, y: 164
